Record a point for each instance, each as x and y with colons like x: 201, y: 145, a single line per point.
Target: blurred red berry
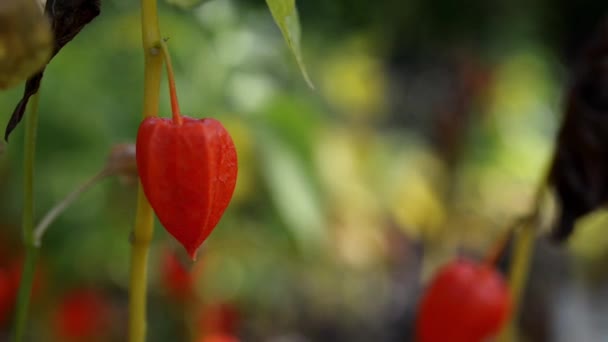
x: 218, y: 338
x: 176, y: 279
x: 15, y: 270
x: 8, y: 295
x: 220, y: 319
x: 465, y: 302
x: 10, y: 277
x: 82, y: 314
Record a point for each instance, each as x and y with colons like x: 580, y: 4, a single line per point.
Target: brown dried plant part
x: 579, y: 171
x: 26, y: 40
x: 121, y: 162
x: 68, y: 17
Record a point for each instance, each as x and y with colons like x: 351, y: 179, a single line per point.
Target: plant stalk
x: 521, y: 260
x: 31, y: 251
x: 144, y: 221
x: 518, y: 276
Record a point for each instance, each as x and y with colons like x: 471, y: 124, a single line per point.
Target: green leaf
x: 285, y: 14
x: 292, y: 192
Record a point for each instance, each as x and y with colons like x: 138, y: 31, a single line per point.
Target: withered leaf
x: 26, y: 40
x: 579, y: 171
x: 68, y: 17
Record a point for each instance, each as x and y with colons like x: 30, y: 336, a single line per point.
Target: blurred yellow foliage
x: 359, y: 243
x: 590, y: 240
x: 342, y: 174
x: 413, y: 197
x: 354, y: 82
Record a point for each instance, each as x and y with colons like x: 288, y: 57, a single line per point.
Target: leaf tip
x: 308, y: 80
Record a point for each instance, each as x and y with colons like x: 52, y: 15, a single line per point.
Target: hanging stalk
x: 27, y: 222
x: 523, y: 248
x: 144, y: 223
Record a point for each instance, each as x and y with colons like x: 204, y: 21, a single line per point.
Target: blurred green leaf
x: 292, y: 192
x: 285, y: 15
x: 295, y: 122
x: 186, y: 4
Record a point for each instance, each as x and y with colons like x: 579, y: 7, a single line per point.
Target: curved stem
x: 144, y: 220
x: 60, y: 207
x: 31, y: 251
x: 521, y: 260
x: 177, y: 118
x: 499, y: 248
x: 518, y: 276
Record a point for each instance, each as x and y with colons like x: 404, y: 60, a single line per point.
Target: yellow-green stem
x: 144, y: 223
x: 522, y: 257
x: 518, y: 276
x: 521, y: 263
x: 31, y: 251
x: 142, y: 235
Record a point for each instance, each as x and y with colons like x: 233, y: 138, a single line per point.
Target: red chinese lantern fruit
x: 465, y: 302
x: 188, y: 173
x: 188, y: 170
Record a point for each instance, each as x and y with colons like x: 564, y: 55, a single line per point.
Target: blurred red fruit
x: 220, y: 319
x: 218, y: 338
x: 82, y: 314
x: 10, y: 277
x: 15, y: 272
x: 8, y: 295
x: 465, y: 302
x: 176, y: 279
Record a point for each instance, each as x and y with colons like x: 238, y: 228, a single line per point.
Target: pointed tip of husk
x: 192, y: 252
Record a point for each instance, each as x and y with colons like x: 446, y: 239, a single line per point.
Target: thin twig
x: 522, y: 255
x: 61, y: 206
